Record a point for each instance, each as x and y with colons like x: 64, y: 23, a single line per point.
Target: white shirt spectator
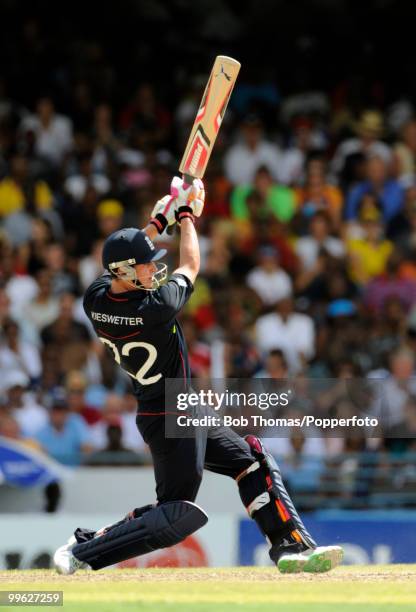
x: 130, y: 439
x: 307, y: 249
x: 391, y: 398
x: 31, y: 417
x: 21, y: 290
x: 89, y: 269
x: 131, y: 436
x: 354, y: 145
x: 26, y: 360
x: 76, y: 185
x: 270, y: 286
x: 291, y: 167
x: 37, y: 315
x: 53, y: 141
x: 241, y: 162
x: 295, y: 336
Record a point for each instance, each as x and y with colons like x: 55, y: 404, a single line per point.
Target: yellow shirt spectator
x: 368, y: 255
x: 13, y: 198
x: 367, y: 259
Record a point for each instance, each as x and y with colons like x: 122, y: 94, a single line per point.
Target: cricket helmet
x: 127, y: 248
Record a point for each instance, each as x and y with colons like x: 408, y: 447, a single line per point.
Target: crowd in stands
x: 308, y: 245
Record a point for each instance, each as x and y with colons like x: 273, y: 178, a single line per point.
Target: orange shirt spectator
x: 317, y: 194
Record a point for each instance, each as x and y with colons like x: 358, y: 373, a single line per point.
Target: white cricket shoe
x: 65, y: 562
x: 314, y: 560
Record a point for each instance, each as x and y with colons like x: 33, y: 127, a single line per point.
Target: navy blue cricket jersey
x: 140, y: 330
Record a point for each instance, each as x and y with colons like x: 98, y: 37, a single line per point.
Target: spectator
x: 56, y: 261
x: 369, y: 129
x: 41, y: 236
x: 4, y: 306
x: 148, y: 117
x: 69, y: 338
x: 342, y: 334
x: 65, y: 437
x: 241, y: 357
x: 75, y: 388
x: 390, y: 284
x: 42, y: 309
x: 368, y: 255
x: 388, y: 191
x: 393, y: 392
x: 275, y: 199
x: 110, y: 217
x: 90, y: 266
x: 20, y: 288
x: 131, y: 438
x: 111, y: 413
x: 319, y: 239
x: 405, y: 151
x: 76, y: 185
x: 199, y: 352
x: 114, y: 452
x: 402, y: 227
x: 318, y: 195
x: 21, y: 192
x: 275, y: 366
x: 293, y: 160
x: 51, y: 132
x: 21, y: 404
x: 288, y: 330
x: 268, y: 279
x: 106, y: 143
x: 17, y: 354
x: 245, y: 157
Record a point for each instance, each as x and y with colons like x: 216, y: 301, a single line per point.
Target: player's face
x: 145, y: 274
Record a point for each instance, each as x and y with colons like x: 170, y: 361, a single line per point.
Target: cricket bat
x: 209, y: 118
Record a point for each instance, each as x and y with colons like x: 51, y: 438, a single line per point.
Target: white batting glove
x: 189, y: 199
x: 163, y: 213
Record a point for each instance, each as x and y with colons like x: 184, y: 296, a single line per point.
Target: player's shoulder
x: 181, y: 279
x: 177, y: 281
x: 174, y: 293
x: 97, y: 289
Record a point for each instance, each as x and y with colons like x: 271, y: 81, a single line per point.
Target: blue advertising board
x: 22, y: 466
x: 367, y: 536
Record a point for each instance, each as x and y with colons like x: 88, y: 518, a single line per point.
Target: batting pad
x: 159, y: 527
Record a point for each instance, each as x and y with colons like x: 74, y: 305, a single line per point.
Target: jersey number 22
x: 141, y: 372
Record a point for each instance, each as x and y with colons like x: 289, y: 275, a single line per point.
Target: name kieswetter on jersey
x: 115, y: 319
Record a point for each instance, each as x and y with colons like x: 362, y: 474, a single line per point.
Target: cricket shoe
x: 65, y: 562
x: 313, y: 560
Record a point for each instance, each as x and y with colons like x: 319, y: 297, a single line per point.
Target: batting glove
x: 189, y: 199
x: 163, y: 213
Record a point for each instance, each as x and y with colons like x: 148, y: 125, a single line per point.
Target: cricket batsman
x: 133, y: 311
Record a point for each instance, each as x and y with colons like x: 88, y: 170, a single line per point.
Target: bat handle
x: 187, y: 179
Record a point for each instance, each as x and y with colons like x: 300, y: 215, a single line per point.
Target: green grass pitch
x: 250, y: 589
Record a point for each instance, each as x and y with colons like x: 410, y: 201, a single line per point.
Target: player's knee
x: 184, y: 488
x: 156, y: 527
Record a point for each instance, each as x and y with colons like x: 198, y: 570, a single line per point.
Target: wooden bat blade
x: 209, y: 116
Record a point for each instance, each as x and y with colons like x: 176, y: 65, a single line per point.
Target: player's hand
x: 189, y: 199
x: 163, y: 213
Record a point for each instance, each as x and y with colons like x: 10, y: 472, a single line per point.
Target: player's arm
x: 151, y: 231
x: 189, y: 259
x: 189, y: 200
x: 184, y: 203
